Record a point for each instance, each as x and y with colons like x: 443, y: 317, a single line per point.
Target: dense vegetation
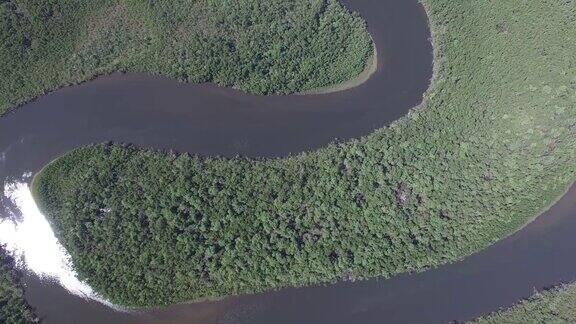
x: 13, y: 307
x: 492, y: 146
x: 273, y: 46
x: 557, y: 305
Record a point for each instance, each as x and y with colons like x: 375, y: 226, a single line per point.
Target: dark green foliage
x: 274, y: 46
x: 493, y: 145
x: 13, y: 307
x: 557, y: 305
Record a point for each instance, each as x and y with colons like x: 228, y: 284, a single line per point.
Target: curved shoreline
x: 444, y: 269
x: 370, y: 68
x: 93, y: 123
x: 73, y: 63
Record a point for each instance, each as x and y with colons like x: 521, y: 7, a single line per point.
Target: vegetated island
x: 556, y: 305
x: 13, y: 307
x: 263, y: 47
x: 490, y: 148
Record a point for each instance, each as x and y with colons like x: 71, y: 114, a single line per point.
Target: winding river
x: 205, y: 119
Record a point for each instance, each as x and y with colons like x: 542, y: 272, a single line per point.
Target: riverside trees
x: 493, y: 145
x: 263, y: 47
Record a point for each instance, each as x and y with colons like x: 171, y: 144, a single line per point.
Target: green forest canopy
x: 273, y: 46
x: 556, y: 305
x: 490, y: 148
x: 13, y: 308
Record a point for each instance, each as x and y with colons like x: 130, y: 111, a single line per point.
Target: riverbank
x: 369, y: 70
x: 453, y: 178
x: 13, y: 306
x: 555, y: 305
x: 274, y: 48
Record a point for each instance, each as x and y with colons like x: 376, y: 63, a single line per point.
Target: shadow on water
x: 205, y: 119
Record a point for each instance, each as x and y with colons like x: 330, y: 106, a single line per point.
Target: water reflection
x: 31, y: 239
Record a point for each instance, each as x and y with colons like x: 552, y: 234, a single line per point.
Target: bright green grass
x: 553, y: 306
x: 493, y: 144
x: 273, y: 46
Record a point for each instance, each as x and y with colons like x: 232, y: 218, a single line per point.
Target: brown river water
x: 163, y: 114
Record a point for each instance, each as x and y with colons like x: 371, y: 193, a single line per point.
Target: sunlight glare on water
x: 34, y: 244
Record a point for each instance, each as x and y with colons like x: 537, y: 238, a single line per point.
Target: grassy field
x: 493, y: 144
x: 273, y: 46
x: 557, y: 305
x: 13, y: 308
